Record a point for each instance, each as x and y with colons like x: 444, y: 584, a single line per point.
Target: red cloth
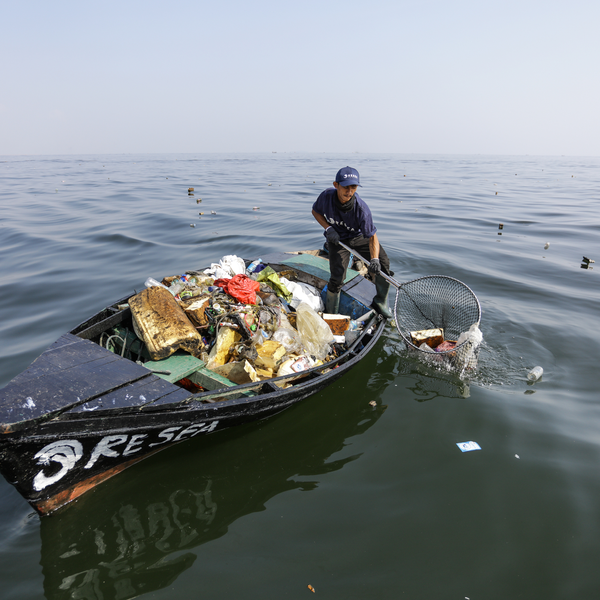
x: 240, y: 287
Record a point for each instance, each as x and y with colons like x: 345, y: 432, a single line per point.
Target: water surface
x: 359, y: 502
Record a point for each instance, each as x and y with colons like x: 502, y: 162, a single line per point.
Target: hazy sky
x: 419, y: 76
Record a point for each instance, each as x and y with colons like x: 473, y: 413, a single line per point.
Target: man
x: 346, y: 217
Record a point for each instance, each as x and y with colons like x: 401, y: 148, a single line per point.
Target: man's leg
x: 382, y: 286
x: 338, y: 263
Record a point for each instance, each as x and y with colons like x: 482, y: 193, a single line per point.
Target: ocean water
x: 354, y: 500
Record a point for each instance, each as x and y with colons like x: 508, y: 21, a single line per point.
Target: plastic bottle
x: 176, y: 286
x: 151, y: 282
x: 535, y: 374
x: 252, y: 266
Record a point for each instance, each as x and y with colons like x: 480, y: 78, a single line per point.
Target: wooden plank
x: 315, y: 265
x: 96, y: 329
x: 63, y: 388
x: 180, y: 365
x: 139, y: 393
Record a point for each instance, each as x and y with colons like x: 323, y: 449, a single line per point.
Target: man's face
x: 344, y: 193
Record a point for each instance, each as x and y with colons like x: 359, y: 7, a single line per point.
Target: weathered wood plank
x: 59, y: 390
x: 139, y: 393
x: 112, y: 320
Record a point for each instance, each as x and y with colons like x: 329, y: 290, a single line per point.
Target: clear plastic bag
x: 288, y: 338
x: 315, y: 334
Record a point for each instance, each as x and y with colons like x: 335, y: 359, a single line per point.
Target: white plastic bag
x: 315, y: 334
x: 227, y: 267
x: 302, y: 292
x: 467, y: 357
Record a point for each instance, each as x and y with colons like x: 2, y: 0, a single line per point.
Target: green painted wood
x: 315, y: 265
x: 181, y: 364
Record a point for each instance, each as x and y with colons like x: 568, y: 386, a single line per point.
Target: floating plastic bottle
x: 535, y: 374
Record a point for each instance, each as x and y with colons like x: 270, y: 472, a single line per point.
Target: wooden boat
x: 81, y: 413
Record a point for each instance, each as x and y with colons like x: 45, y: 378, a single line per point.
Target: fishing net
x: 440, y: 302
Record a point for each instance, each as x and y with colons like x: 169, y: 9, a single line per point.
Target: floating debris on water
x: 311, y: 588
x: 535, y: 374
x: 190, y: 189
x: 588, y: 260
x: 501, y: 226
x: 256, y: 208
x: 546, y: 245
x: 192, y: 225
x: 373, y: 403
x: 213, y: 212
x: 468, y: 446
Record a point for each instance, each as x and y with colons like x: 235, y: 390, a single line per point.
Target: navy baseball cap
x: 347, y: 176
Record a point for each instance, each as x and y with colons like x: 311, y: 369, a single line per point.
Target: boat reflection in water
x: 130, y: 535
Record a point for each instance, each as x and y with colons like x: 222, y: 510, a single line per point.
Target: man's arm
x: 320, y: 219
x: 374, y: 246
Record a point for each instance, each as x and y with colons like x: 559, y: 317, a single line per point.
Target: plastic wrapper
x: 295, y: 364
x: 270, y: 354
x: 221, y: 351
x: 302, y: 292
x: 289, y: 338
x: 240, y: 287
x: 466, y: 356
x: 271, y: 278
x: 314, y: 333
x: 227, y: 267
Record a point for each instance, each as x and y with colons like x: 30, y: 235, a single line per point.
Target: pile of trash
x: 243, y: 322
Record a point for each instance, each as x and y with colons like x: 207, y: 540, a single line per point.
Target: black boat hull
x: 70, y: 430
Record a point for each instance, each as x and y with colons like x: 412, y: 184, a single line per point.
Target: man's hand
x: 375, y: 266
x: 333, y: 237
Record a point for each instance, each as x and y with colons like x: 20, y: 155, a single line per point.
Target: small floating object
x: 192, y: 225
x: 517, y: 456
x: 213, y: 212
x: 535, y: 374
x: 190, y: 189
x: 588, y: 260
x: 546, y: 245
x: 311, y: 588
x: 200, y: 213
x: 373, y: 403
x: 468, y: 446
x: 256, y: 208
x: 198, y: 200
x: 501, y: 226
x: 496, y: 193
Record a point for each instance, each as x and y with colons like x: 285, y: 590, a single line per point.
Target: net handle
x: 391, y: 280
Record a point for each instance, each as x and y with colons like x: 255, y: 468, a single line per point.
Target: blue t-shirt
x: 348, y: 224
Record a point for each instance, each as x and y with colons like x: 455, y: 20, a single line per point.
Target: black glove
x: 375, y: 266
x: 333, y: 237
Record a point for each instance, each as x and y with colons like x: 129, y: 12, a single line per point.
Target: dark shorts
x: 339, y: 258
